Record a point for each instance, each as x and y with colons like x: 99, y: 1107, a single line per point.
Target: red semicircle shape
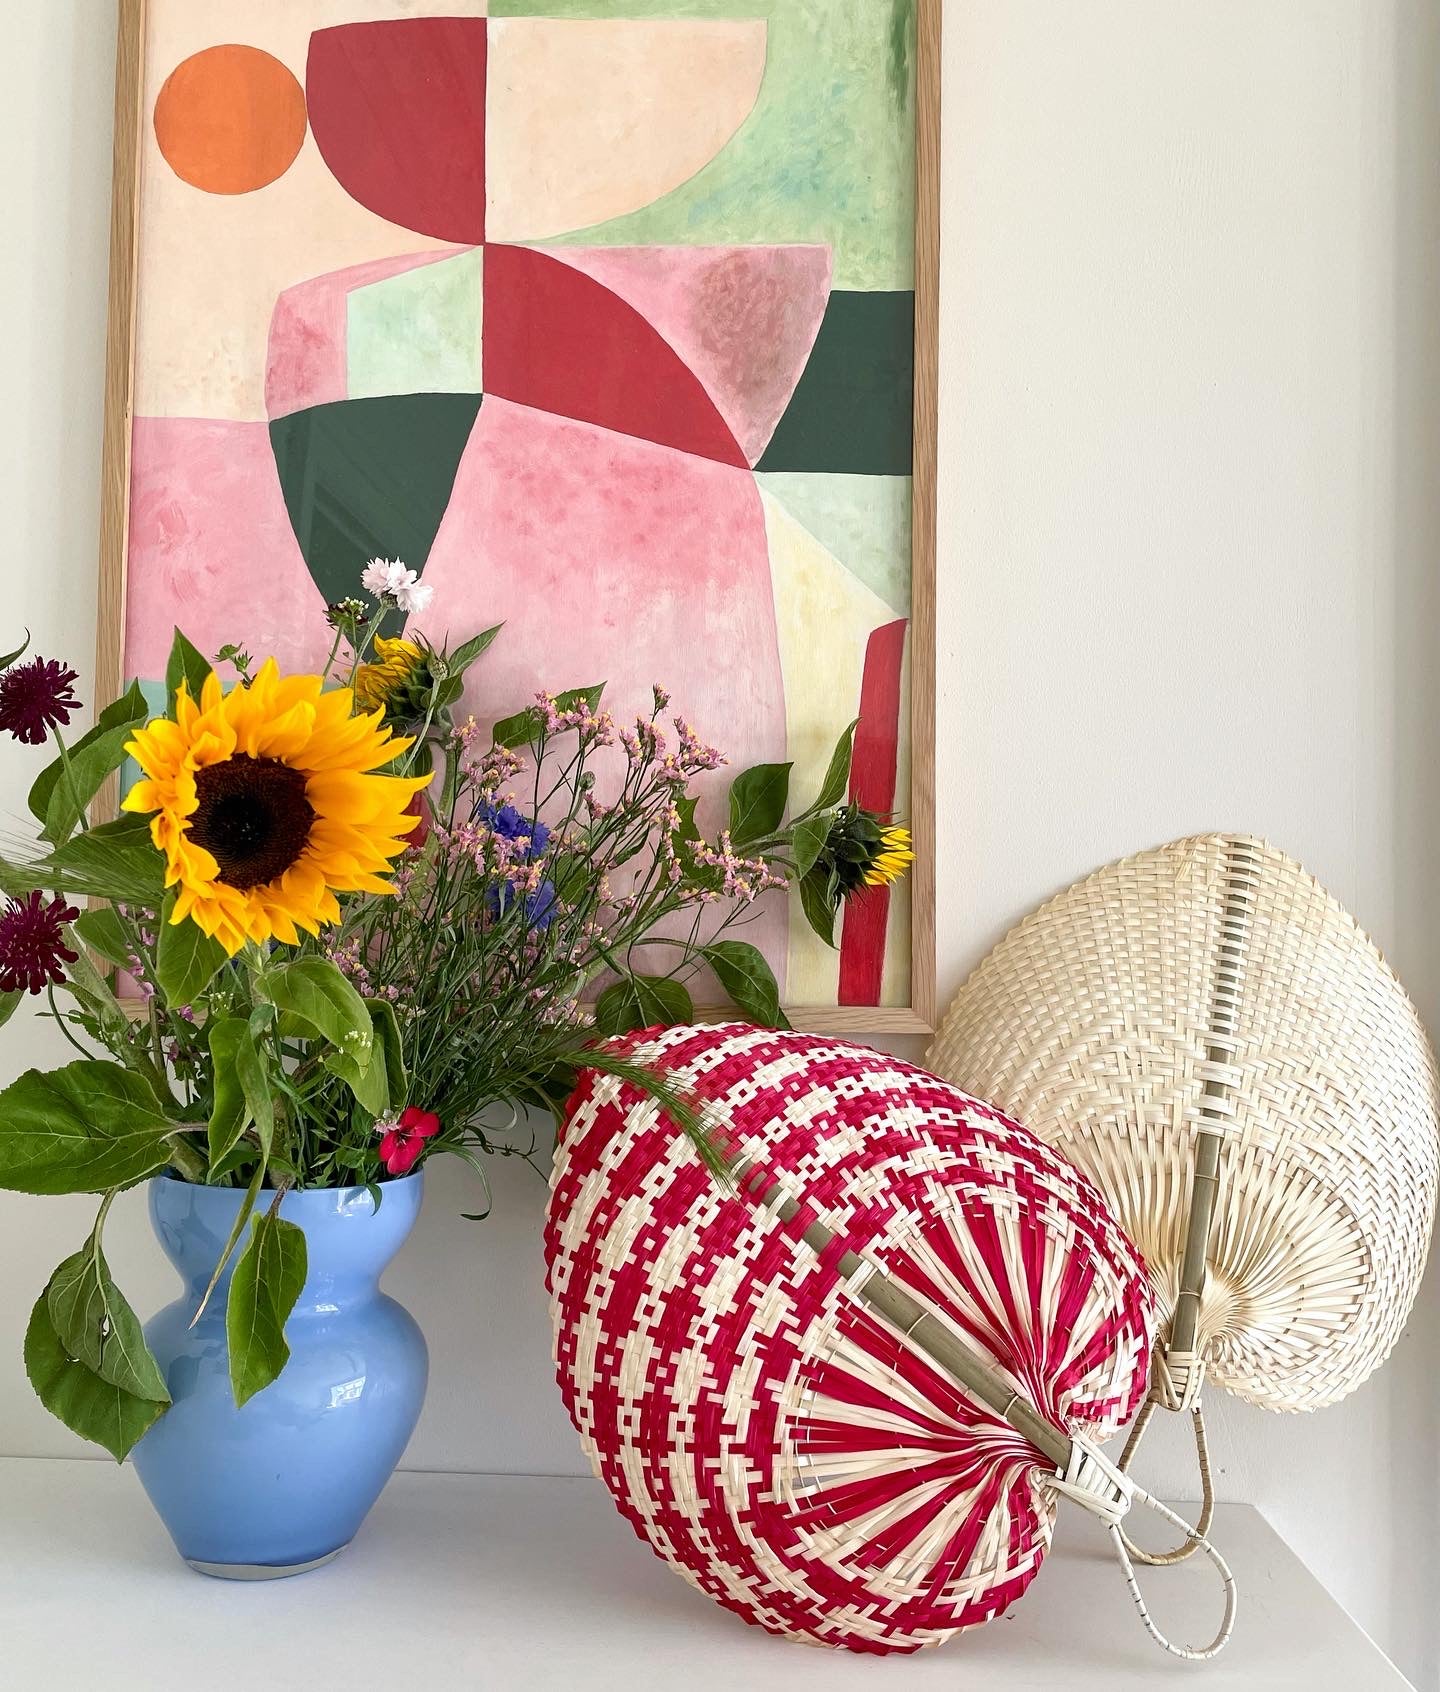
x: 397, y: 109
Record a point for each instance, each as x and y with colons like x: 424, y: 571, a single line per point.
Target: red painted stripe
x: 872, y: 784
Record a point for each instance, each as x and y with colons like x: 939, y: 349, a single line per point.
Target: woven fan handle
x: 1190, y: 1545
x: 1194, y: 1653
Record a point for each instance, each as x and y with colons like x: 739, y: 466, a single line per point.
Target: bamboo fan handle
x: 1191, y: 1544
x: 1198, y: 1541
x: 1178, y: 1367
x: 1091, y: 1480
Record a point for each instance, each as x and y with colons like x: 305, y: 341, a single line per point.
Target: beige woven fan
x: 1211, y: 1037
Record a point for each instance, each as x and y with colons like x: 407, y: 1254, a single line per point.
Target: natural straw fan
x: 1212, y: 1038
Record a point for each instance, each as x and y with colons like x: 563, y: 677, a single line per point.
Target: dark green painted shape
x: 370, y: 478
x: 853, y: 412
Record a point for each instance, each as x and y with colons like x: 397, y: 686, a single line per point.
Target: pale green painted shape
x: 827, y: 156
x: 863, y: 522
x: 418, y: 332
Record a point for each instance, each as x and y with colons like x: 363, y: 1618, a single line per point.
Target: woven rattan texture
x: 1090, y: 1021
x: 766, y: 1433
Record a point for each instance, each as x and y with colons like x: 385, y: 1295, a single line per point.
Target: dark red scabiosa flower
x: 33, y: 953
x: 35, y: 697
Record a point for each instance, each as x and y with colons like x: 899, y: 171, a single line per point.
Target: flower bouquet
x: 341, y: 933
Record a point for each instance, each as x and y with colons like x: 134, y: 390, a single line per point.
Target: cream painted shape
x: 213, y: 265
x: 589, y: 120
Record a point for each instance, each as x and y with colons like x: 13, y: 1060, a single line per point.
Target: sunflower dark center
x: 253, y: 818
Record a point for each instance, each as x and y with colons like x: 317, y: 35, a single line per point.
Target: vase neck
x: 348, y: 1242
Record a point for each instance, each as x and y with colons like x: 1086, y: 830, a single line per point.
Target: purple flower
x: 33, y: 953
x: 35, y: 698
x: 508, y: 823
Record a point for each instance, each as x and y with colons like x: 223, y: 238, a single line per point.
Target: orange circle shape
x: 230, y: 120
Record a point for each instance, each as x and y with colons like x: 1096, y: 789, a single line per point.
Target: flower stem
x: 69, y: 777
x: 187, y: 1159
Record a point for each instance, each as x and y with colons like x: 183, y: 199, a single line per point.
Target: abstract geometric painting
x: 601, y: 314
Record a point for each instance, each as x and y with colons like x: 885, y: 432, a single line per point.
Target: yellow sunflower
x: 265, y: 808
x: 376, y: 684
x: 894, y: 857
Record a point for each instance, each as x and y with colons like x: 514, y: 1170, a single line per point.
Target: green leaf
x: 744, y: 974
x: 642, y: 1001
x: 268, y: 1279
x: 254, y: 1079
x: 807, y: 841
x: 88, y: 1405
x: 370, y: 1085
x: 116, y: 723
x: 460, y: 660
x: 187, y: 665
x: 237, y: 1229
x: 218, y: 1174
x: 72, y: 793
x: 82, y: 1129
x: 518, y: 730
x: 86, y: 984
x: 819, y: 909
x: 444, y: 694
x: 392, y: 1046
x: 19, y: 652
x: 8, y: 1002
x: 575, y: 697
x: 314, y: 990
x: 95, y: 1324
x: 757, y: 802
x: 837, y: 777
x: 685, y: 808
x: 102, y: 931
x: 186, y: 958
x: 229, y: 1112
x: 525, y: 726
x: 118, y: 861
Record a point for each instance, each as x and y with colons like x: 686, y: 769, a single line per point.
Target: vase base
x: 261, y: 1571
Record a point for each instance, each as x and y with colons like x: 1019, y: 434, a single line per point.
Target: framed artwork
x: 615, y: 319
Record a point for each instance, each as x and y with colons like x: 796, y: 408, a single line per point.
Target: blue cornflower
x: 541, y: 906
x: 507, y: 822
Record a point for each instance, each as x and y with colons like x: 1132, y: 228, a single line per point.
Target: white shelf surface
x: 494, y: 1583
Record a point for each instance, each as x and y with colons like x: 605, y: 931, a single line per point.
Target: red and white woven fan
x: 843, y: 1392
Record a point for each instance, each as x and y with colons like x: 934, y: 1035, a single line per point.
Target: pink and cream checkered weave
x: 772, y: 1438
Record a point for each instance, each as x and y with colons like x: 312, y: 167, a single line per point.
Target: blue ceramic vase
x: 283, y: 1485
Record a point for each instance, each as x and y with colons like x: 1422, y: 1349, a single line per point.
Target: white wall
x: 1189, y: 526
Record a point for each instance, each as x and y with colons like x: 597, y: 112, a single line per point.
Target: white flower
x: 413, y: 596
x: 384, y: 577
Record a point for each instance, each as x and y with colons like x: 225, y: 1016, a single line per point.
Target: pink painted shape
x: 743, y: 318
x: 212, y: 550
x: 611, y: 559
x: 306, y: 364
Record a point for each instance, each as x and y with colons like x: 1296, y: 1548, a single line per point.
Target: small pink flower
x: 404, y: 1141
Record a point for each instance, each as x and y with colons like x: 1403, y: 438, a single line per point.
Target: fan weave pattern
x: 1218, y: 962
x: 786, y: 1450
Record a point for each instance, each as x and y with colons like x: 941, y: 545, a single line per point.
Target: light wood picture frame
x: 157, y: 37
